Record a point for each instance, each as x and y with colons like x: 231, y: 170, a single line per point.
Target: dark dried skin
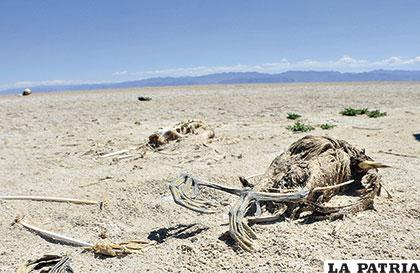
x: 313, y: 161
x: 316, y: 161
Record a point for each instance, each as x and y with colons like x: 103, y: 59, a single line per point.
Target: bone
x: 50, y: 199
x: 52, y: 235
x: 108, y: 249
x: 114, y: 153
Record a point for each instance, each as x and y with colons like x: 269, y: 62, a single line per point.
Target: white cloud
x: 120, y: 73
x: 344, y: 64
x: 25, y: 84
x: 396, y: 61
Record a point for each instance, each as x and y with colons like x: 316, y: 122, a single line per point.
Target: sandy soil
x: 49, y: 146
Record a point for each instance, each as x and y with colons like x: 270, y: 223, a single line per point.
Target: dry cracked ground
x: 50, y: 145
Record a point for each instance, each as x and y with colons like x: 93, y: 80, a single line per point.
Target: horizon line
x: 71, y: 84
x: 344, y: 64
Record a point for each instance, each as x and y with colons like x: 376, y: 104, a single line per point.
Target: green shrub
x: 375, y: 114
x: 353, y: 111
x: 327, y: 126
x: 293, y: 116
x: 300, y: 127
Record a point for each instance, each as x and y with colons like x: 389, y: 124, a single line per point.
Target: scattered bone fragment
x: 52, y: 235
x: 120, y: 249
x: 50, y: 199
x: 104, y: 248
x: 114, y: 153
x: 157, y: 140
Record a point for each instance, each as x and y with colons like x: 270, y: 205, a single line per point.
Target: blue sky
x: 52, y: 41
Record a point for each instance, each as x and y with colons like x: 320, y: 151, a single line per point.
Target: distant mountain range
x: 241, y: 78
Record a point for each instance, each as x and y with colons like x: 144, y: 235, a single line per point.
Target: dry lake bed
x: 51, y: 145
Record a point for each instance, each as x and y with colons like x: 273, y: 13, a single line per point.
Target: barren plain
x: 51, y: 145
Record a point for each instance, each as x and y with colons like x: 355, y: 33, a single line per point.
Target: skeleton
x: 180, y: 130
x: 298, y: 183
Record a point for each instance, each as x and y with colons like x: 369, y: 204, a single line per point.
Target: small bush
x: 362, y: 111
x: 327, y: 126
x: 293, y: 116
x: 353, y: 111
x: 300, y: 127
x: 375, y: 114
